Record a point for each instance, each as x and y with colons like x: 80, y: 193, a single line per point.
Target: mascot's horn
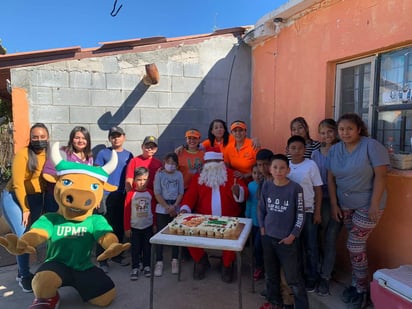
x: 55, y: 155
x: 110, y: 166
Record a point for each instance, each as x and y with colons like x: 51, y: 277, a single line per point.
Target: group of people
x: 314, y: 190
x: 297, y: 200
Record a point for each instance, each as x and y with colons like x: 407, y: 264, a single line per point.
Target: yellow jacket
x: 24, y: 182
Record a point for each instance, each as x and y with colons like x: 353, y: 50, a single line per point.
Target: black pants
x: 275, y: 256
x: 114, y: 206
x: 141, y: 246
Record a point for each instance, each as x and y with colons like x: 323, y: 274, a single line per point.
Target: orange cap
x: 238, y: 124
x: 192, y: 133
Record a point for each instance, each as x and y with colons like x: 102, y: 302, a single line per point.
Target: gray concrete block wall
x: 198, y: 82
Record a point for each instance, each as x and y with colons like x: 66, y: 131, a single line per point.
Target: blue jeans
x: 330, y: 231
x: 309, y: 240
x: 13, y: 214
x: 275, y: 256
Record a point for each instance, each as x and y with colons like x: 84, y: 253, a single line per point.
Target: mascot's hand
x: 16, y: 246
x: 114, y: 250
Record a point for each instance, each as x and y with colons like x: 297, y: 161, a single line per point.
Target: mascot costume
x: 71, y: 234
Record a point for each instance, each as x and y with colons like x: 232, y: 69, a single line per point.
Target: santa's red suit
x: 220, y: 201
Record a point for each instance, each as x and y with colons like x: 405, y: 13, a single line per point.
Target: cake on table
x: 204, y: 225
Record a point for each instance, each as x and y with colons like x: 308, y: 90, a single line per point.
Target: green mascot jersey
x: 71, y: 242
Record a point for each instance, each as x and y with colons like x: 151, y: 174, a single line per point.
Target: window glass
x: 395, y: 100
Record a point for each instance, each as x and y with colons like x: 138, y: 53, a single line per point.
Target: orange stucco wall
x: 390, y: 244
x: 21, y: 120
x: 294, y: 75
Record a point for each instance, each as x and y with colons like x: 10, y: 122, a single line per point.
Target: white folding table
x: 162, y: 238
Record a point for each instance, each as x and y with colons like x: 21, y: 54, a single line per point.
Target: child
x: 263, y: 157
x: 146, y: 159
x: 168, y: 191
x: 299, y: 126
x: 139, y: 221
x: 306, y: 173
x: 281, y: 219
x: 251, y: 212
x: 112, y: 203
x: 328, y: 132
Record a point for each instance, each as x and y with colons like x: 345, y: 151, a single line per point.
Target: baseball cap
x: 116, y: 130
x: 150, y: 139
x: 238, y: 124
x: 192, y: 133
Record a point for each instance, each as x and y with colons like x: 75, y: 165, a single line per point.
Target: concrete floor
x: 168, y: 292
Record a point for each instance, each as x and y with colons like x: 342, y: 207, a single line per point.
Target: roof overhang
x: 9, y: 61
x: 270, y: 24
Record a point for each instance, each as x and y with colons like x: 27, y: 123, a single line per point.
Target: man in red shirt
x: 147, y: 160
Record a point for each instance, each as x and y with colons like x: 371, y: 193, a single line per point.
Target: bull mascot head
x: 79, y: 188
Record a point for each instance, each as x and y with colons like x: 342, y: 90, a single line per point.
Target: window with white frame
x: 379, y: 89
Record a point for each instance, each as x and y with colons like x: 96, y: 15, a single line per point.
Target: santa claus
x: 215, y: 191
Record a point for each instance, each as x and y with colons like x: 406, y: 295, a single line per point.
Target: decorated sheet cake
x: 204, y: 226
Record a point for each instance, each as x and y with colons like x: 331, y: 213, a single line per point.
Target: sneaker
x: 18, y: 278
x: 263, y: 293
x: 358, y: 301
x: 51, y: 303
x: 323, y: 288
x: 199, y: 270
x: 175, y: 266
x: 310, y: 286
x: 104, y: 266
x: 120, y: 260
x: 258, y: 274
x: 134, y: 275
x: 348, y: 294
x: 227, y: 273
x: 158, y: 271
x: 270, y: 306
x: 25, y: 283
x: 147, y: 272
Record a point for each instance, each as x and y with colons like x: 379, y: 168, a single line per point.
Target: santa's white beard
x: 213, y: 174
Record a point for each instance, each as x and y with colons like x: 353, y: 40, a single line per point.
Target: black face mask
x: 39, y: 145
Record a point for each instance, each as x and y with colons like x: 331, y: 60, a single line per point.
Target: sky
x: 31, y: 25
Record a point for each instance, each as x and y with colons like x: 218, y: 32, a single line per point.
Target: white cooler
x: 392, y: 288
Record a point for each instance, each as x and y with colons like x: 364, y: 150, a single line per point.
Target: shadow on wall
x: 107, y: 120
x: 224, y: 92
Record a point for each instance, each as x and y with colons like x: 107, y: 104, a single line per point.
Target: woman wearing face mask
x: 22, y: 199
x: 168, y: 191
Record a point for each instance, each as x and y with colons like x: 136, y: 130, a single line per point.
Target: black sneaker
x: 349, y: 293
x: 358, y: 301
x: 310, y: 286
x: 263, y: 293
x: 227, y: 274
x: 120, y: 260
x: 323, y: 287
x: 103, y: 265
x: 25, y: 283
